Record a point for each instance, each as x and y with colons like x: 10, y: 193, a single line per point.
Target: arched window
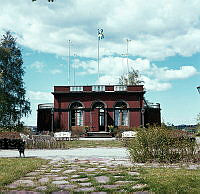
x: 121, y: 114
x: 76, y: 114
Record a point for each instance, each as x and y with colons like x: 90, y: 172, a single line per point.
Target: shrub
x: 162, y: 145
x: 79, y: 131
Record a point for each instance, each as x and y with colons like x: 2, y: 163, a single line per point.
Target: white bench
x: 128, y: 134
x: 62, y: 135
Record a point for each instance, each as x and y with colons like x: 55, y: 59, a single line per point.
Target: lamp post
x: 142, y: 111
x: 52, y: 117
x: 198, y: 88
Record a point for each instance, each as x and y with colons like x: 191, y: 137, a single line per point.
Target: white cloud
x: 107, y: 80
x: 40, y: 96
x: 154, y: 77
x: 155, y: 27
x: 154, y: 84
x: 38, y: 66
x: 171, y: 74
x: 55, y: 71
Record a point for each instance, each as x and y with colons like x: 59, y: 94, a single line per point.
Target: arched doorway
x: 121, y: 114
x: 98, y: 116
x: 76, y: 114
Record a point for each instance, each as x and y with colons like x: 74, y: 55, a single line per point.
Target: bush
x: 79, y: 131
x: 162, y: 145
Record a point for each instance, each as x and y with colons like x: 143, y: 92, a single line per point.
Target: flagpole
x: 75, y: 55
x: 98, y: 58
x: 100, y: 36
x: 127, y: 54
x: 69, y: 63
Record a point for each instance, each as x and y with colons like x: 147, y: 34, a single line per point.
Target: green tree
x: 132, y: 78
x: 13, y: 105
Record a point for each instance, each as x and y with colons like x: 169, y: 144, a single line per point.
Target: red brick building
x: 97, y: 107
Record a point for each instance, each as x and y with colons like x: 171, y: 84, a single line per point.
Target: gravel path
x: 80, y: 153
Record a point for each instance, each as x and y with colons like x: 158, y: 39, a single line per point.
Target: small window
x: 120, y: 88
x: 76, y: 88
x: 98, y: 88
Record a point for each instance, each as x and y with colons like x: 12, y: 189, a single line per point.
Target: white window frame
x: 120, y: 88
x: 76, y: 88
x: 98, y: 88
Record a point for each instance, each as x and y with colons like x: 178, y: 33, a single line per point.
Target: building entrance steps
x: 99, y: 134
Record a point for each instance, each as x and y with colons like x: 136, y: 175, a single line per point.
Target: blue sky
x: 164, y: 47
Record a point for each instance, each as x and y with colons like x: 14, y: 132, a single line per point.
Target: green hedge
x: 159, y: 144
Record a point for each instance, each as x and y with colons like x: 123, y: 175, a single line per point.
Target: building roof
x: 98, y: 88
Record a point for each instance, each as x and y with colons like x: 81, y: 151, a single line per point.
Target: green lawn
x: 76, y: 144
x: 162, y: 180
x: 14, y: 168
x: 87, y: 143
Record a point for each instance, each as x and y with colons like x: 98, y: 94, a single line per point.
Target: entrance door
x: 98, y: 117
x: 95, y: 120
x: 101, y: 120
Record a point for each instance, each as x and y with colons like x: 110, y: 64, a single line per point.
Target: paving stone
x: 103, y: 169
x: 12, y: 186
x: 193, y: 167
x: 57, y: 165
x: 59, y: 178
x: 75, y: 176
x: 44, y: 166
x: 85, y: 189
x: 85, y: 184
x: 33, y: 173
x: 81, y: 161
x: 41, y: 188
x: 50, y: 175
x: 25, y: 183
x: 60, y: 182
x: 80, y: 180
x: 29, y: 177
x: 134, y: 173
x: 82, y: 172
x: 102, y: 179
x: 101, y: 192
x: 67, y: 186
x: 68, y: 171
x: 118, y: 176
x: 22, y: 192
x: 139, y: 186
x: 40, y: 170
x: 90, y: 169
x: 55, y: 170
x: 123, y: 182
x: 110, y: 186
x: 114, y: 172
x: 43, y: 180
